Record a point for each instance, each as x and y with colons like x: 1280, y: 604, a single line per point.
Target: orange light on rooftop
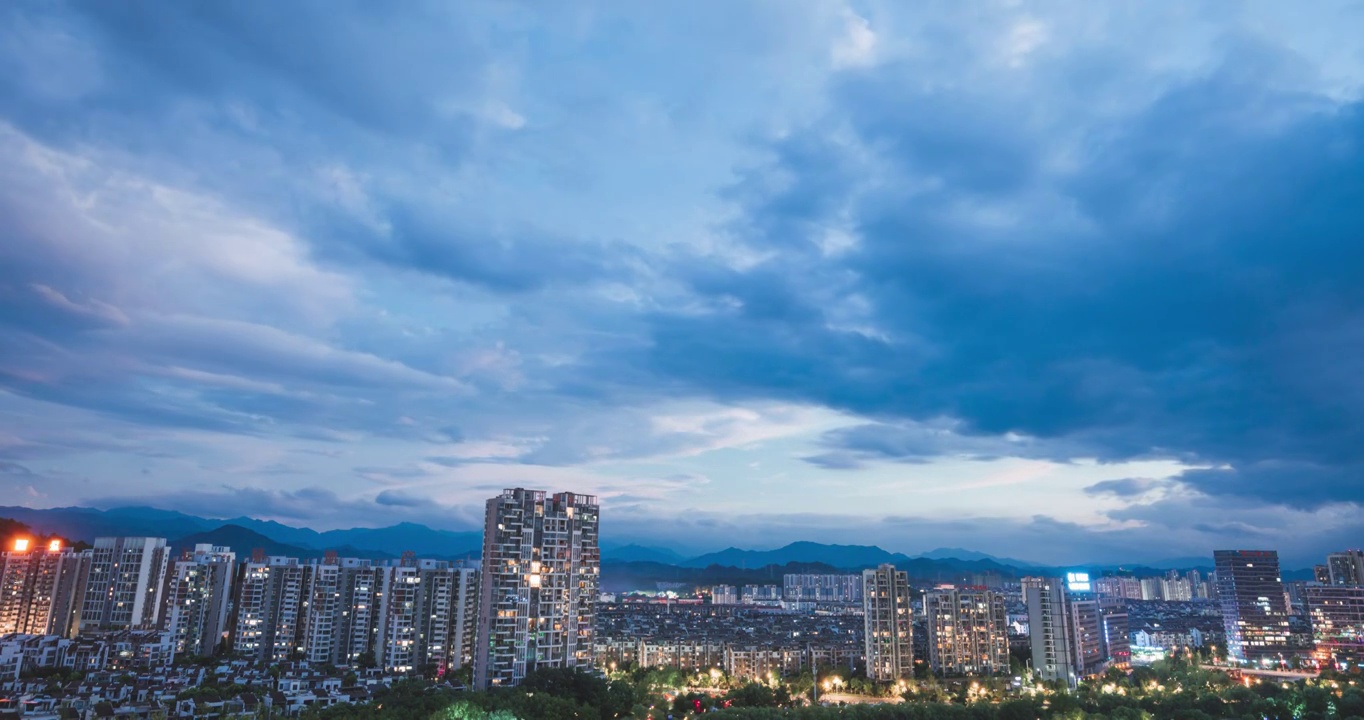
x: 54, y: 545
x: 21, y: 545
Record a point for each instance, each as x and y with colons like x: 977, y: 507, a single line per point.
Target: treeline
x: 11, y: 529
x: 1171, y: 690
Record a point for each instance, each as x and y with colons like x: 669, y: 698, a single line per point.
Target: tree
x: 752, y: 695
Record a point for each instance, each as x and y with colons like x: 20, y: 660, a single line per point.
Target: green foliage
x: 406, y: 699
x: 52, y: 675
x: 1173, y: 690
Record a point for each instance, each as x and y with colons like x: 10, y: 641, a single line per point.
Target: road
x: 833, y: 698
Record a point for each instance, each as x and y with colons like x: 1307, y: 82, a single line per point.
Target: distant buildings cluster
x: 1073, y: 632
x: 533, y: 601
x: 1173, y: 587
x: 532, y: 605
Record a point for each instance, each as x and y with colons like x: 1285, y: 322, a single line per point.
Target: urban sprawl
x: 131, y: 631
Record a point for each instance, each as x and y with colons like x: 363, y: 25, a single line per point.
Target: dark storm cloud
x: 14, y: 469
x: 401, y: 499
x: 1122, y: 487
x: 327, y: 221
x: 1192, y: 286
x: 315, y: 505
x: 517, y: 261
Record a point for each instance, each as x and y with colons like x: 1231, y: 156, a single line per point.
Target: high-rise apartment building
x: 769, y: 595
x: 1198, y: 585
x: 1346, y: 568
x: 1121, y: 587
x: 271, y: 611
x: 539, y: 586
x: 1321, y: 574
x: 457, y: 590
x: 125, y: 584
x: 1254, y: 607
x: 326, y: 615
x: 1087, y: 639
x: 1053, y: 656
x: 724, y: 595
x: 429, y: 615
x: 357, y: 628
x: 967, y: 631
x: 198, y: 598
x: 1152, y: 588
x: 1070, y: 637
x: 1337, y: 616
x: 802, y: 587
x: 1176, y: 589
x: 1114, y: 630
x: 889, y: 623
x: 40, y: 588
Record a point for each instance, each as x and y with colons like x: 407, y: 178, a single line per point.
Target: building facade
x: 1346, y: 568
x: 842, y: 589
x: 724, y: 595
x: 1053, y: 657
x: 41, y: 587
x: 889, y: 623
x: 198, y: 598
x: 1337, y: 616
x: 1114, y: 628
x: 1254, y: 607
x: 967, y: 631
x: 1087, y: 637
x: 1118, y: 587
x: 541, y: 578
x: 125, y: 584
x: 429, y: 615
x: 271, y: 609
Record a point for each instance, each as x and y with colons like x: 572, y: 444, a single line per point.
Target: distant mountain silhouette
x: 839, y: 556
x: 963, y: 554
x: 244, y: 534
x: 1205, y: 563
x: 640, y: 553
x: 245, y: 541
x: 241, y: 540
x: 87, y: 524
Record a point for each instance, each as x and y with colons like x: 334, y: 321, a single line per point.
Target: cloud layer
x: 800, y: 273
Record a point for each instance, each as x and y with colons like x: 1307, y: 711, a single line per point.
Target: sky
x: 1065, y: 281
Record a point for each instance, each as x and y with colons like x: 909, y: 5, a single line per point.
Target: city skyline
x: 1056, y: 283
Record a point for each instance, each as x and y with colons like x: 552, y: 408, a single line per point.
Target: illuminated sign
x: 54, y: 546
x: 21, y: 545
x: 1078, y: 581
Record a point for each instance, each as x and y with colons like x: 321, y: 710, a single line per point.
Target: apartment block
x: 840, y: 589
x: 889, y: 631
x: 41, y: 587
x: 540, y: 582
x: 967, y: 631
x: 125, y: 585
x: 271, y: 611
x: 1346, y: 568
x: 1053, y: 650
x: 198, y: 599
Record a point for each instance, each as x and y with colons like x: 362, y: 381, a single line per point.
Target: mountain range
x: 244, y: 535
